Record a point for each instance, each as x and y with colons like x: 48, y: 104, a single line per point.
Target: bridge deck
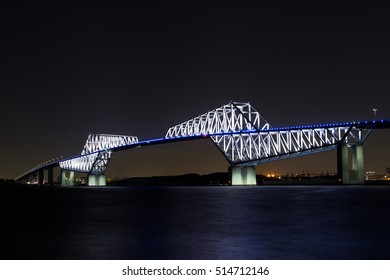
x: 380, y: 124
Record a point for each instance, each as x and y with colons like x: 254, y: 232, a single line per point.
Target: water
x: 267, y: 222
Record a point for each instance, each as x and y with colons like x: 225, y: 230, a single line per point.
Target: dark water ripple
x: 268, y: 222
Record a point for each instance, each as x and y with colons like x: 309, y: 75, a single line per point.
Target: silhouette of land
x: 192, y: 179
x: 220, y: 178
x: 213, y: 179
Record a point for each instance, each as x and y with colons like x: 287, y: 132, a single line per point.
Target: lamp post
x: 374, y: 110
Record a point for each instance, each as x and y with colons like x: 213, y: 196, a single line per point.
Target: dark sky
x: 139, y: 70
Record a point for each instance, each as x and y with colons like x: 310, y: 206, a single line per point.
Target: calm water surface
x: 265, y: 222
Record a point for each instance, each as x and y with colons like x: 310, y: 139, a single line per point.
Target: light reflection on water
x: 266, y: 222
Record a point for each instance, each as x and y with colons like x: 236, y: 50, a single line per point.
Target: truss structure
x: 269, y: 145
x: 232, y: 117
x: 97, y: 153
x: 243, y: 135
x: 246, y: 138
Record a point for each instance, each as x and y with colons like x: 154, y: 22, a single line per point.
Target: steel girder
x: 96, y: 153
x: 246, y: 138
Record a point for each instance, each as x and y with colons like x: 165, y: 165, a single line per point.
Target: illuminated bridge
x: 242, y: 134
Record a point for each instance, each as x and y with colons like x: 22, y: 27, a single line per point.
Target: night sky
x: 139, y: 70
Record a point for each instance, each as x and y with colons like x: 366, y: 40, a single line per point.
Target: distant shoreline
x: 214, y: 179
x: 223, y: 178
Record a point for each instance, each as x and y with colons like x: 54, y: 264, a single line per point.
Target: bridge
x: 242, y: 134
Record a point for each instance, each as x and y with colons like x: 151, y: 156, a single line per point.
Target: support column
x: 50, y: 178
x: 101, y: 180
x: 67, y: 180
x: 250, y: 175
x: 357, y: 165
x: 96, y: 180
x: 63, y: 178
x: 243, y: 176
x: 355, y: 174
x: 91, y: 180
x: 33, y: 178
x: 343, y: 164
x: 71, y: 178
x: 40, y: 177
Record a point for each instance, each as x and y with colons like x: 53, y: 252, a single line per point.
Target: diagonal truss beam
x: 232, y: 117
x: 264, y: 146
x: 246, y: 138
x: 97, y: 153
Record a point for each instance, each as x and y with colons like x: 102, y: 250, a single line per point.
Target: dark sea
x: 184, y: 223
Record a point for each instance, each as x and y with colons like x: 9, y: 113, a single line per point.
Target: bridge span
x: 244, y: 137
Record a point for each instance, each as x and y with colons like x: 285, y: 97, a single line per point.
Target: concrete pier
x: 67, y: 180
x: 40, y: 177
x: 96, y: 180
x: 50, y: 176
x: 243, y: 175
x: 350, y: 164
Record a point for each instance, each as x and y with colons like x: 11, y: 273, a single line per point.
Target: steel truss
x: 96, y: 153
x: 246, y: 138
x: 232, y: 117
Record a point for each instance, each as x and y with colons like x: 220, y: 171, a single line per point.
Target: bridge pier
x: 67, y: 180
x: 40, y: 177
x: 32, y: 178
x: 96, y: 180
x: 50, y: 176
x: 243, y: 175
x: 350, y: 173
